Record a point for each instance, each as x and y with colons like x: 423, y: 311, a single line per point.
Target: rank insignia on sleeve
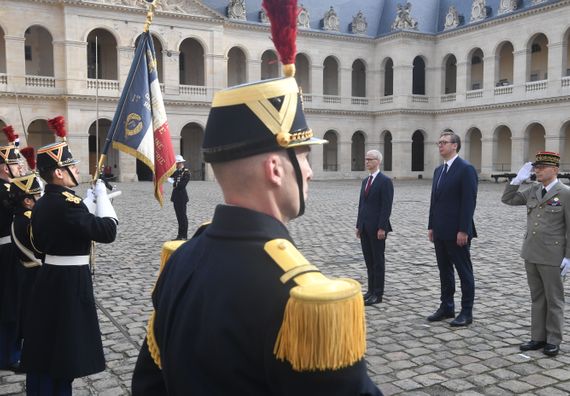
x: 69, y: 197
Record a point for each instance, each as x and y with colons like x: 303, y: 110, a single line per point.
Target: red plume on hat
x: 10, y: 134
x: 283, y: 17
x: 30, y: 155
x: 57, y: 125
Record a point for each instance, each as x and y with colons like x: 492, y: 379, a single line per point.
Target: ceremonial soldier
x: 10, y: 345
x: 179, y: 197
x: 546, y: 247
x: 238, y: 309
x: 62, y: 335
x: 24, y: 193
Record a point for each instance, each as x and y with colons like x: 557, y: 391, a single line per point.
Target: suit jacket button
x: 556, y: 243
x: 537, y: 215
x: 535, y: 224
x: 534, y: 233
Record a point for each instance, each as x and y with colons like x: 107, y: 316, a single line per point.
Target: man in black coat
x: 451, y: 228
x: 179, y: 197
x: 373, y: 224
x: 238, y: 309
x: 62, y: 335
x: 10, y: 346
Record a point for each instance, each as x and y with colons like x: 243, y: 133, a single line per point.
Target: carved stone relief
x: 451, y: 19
x: 506, y: 6
x: 478, y: 10
x: 404, y: 20
x: 331, y: 21
x: 236, y: 9
x: 359, y: 24
x: 303, y: 19
x: 263, y: 18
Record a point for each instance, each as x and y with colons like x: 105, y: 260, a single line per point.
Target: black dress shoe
x: 440, y: 314
x: 551, y: 349
x: 463, y: 319
x: 532, y: 345
x: 373, y: 299
x: 366, y: 296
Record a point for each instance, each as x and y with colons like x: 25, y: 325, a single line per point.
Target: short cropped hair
x: 454, y: 138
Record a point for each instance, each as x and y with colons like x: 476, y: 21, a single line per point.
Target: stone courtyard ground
x: 406, y: 355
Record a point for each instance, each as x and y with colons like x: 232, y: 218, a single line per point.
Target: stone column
x: 126, y: 55
x: 60, y: 64
x: 15, y: 60
x: 253, y: 70
x: 317, y: 83
x: 401, y: 157
x: 344, y: 157
x: 521, y: 59
x: 127, y: 167
x: 555, y: 62
x: 518, y: 152
x: 345, y: 84
x: 461, y: 85
x: 554, y: 142
x: 171, y: 72
x: 402, y: 84
x: 76, y: 66
x: 486, y: 157
x: 489, y: 66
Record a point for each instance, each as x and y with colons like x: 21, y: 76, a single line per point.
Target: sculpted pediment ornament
x: 236, y: 10
x: 506, y: 6
x: 478, y: 10
x: 359, y: 24
x: 331, y: 21
x: 404, y: 20
x: 191, y: 7
x: 303, y: 19
x: 263, y: 18
x: 452, y: 18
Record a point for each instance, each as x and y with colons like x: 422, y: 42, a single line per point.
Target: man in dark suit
x: 179, y: 197
x: 451, y: 228
x: 373, y: 224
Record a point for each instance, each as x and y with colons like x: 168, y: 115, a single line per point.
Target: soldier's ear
x: 273, y: 169
x: 58, y: 173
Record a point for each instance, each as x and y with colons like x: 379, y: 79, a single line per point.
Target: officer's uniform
x: 62, y: 335
x: 546, y: 243
x: 179, y: 198
x: 10, y: 272
x: 238, y: 309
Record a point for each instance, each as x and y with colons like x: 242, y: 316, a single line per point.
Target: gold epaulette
x: 69, y: 197
x: 323, y: 325
x: 28, y: 214
x: 168, y: 248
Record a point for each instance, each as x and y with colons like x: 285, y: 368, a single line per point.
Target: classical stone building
x: 387, y: 74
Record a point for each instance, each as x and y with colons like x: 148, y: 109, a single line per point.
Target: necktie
x: 368, y: 184
x: 442, y: 176
x: 543, y: 192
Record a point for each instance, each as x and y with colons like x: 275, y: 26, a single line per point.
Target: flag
x: 139, y: 126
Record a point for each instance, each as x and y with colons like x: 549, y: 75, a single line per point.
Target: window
x: 28, y: 52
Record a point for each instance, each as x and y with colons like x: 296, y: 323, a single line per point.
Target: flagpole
x: 96, y: 97
x: 148, y: 22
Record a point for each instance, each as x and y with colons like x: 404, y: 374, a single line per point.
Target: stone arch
x: 38, y: 51
x: 504, y: 64
x: 357, y: 151
x: 419, y: 76
x: 330, y: 151
x: 534, y: 141
x: 303, y: 72
x: 158, y: 50
x: 269, y: 65
x: 449, y: 79
x: 418, y: 150
x: 565, y: 53
x: 359, y: 78
x: 331, y: 69
x: 102, y: 54
x: 475, y: 69
x: 111, y: 165
x: 386, y: 149
x: 388, y: 73
x: 39, y: 133
x: 237, y: 66
x: 537, y: 59
x: 191, y: 139
x: 502, y: 148
x: 473, y: 147
x: 191, y: 62
x: 2, y: 52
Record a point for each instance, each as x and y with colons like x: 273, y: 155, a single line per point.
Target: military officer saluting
x: 179, y: 197
x: 546, y: 247
x: 238, y: 309
x: 62, y: 335
x: 10, y: 346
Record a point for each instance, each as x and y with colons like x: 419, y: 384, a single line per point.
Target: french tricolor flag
x: 139, y: 126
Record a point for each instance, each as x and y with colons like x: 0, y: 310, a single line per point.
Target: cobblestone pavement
x: 406, y: 355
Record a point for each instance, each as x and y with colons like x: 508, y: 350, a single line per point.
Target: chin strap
x: 299, y: 176
x: 71, y: 175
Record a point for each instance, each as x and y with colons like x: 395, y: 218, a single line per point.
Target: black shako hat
x: 56, y: 155
x: 256, y: 118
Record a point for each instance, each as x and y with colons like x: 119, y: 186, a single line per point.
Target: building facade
x: 383, y: 74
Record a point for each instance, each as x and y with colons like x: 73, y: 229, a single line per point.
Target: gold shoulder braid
x: 168, y: 248
x: 323, y: 326
x: 69, y: 197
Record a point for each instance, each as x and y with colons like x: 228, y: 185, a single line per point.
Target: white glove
x: 565, y: 267
x: 170, y: 180
x: 523, y: 174
x: 114, y: 194
x: 89, y: 201
x: 104, y: 206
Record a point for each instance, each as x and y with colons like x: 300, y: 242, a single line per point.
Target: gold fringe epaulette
x: 323, y: 326
x: 168, y: 248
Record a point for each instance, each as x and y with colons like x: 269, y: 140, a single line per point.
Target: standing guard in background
x: 238, y: 309
x: 10, y: 346
x: 62, y: 338
x: 179, y: 197
x: 24, y: 193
